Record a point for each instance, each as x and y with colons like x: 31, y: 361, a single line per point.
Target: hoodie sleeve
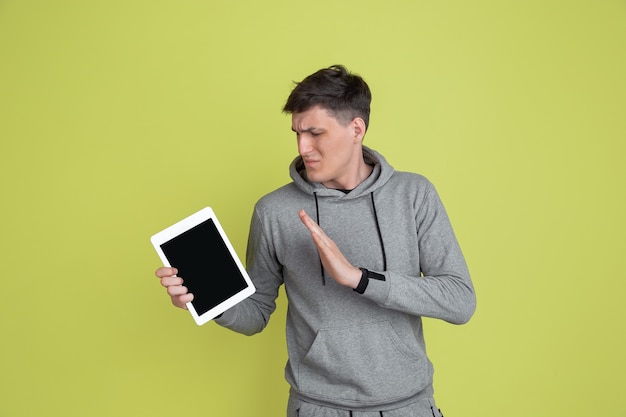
x: 445, y: 290
x: 252, y: 315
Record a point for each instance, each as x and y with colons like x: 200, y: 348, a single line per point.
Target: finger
x: 305, y: 219
x: 310, y: 224
x: 165, y: 271
x: 181, y: 301
x: 323, y: 243
x: 171, y: 281
x: 177, y: 290
x: 319, y: 236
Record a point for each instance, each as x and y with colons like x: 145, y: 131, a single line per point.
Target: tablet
x: 198, y: 247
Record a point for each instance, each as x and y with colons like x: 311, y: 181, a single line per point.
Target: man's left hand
x: 332, y: 259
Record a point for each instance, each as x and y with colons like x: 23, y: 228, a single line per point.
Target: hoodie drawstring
x: 380, y: 235
x: 317, y: 217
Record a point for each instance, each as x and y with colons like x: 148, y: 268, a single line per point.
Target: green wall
x: 118, y: 118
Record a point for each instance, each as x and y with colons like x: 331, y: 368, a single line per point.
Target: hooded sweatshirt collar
x: 381, y: 173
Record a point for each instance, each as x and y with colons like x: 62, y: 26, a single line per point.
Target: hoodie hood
x: 380, y: 175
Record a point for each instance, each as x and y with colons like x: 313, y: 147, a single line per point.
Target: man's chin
x: 311, y: 176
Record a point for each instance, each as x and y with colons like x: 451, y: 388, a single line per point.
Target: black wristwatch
x: 365, y: 279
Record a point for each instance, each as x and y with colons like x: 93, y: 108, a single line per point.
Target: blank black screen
x: 205, y: 265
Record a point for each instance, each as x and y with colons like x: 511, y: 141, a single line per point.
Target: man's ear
x: 358, y: 127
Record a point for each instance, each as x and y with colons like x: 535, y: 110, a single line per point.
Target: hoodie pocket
x: 367, y: 364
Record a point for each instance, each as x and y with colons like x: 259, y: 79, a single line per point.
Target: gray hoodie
x: 350, y: 350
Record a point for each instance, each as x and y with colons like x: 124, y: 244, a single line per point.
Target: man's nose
x: 304, y: 145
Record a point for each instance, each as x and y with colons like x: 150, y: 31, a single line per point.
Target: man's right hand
x: 179, y: 294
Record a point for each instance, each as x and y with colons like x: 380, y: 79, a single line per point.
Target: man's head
x: 344, y: 95
x: 329, y: 114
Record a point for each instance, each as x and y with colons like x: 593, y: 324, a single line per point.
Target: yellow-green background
x: 118, y: 118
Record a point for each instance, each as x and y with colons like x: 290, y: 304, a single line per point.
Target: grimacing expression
x: 329, y: 149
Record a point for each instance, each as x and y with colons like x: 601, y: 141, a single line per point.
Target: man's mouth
x: 310, y: 162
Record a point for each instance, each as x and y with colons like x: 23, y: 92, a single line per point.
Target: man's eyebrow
x: 310, y: 129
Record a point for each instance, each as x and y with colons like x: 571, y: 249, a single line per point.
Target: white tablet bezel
x: 188, y: 223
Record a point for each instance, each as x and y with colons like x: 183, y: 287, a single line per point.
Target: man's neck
x: 363, y: 171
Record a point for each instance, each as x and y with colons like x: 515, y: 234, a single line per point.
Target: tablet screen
x: 205, y: 264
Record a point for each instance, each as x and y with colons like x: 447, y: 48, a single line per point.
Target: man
x: 380, y: 255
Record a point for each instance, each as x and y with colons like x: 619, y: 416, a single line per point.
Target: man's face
x: 330, y: 150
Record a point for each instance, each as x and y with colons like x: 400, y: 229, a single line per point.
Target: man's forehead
x: 313, y: 118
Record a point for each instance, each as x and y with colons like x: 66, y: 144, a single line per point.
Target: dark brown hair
x: 343, y: 94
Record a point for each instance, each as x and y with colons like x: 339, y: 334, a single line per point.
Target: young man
x: 377, y: 255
